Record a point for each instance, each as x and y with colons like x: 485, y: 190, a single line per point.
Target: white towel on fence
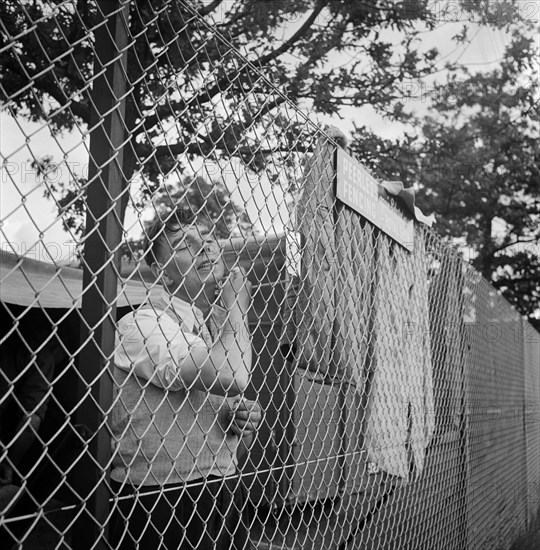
x: 400, y: 411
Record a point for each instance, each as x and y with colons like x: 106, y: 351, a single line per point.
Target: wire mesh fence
x: 240, y: 339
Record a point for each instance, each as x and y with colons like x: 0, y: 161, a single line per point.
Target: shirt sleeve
x: 152, y: 346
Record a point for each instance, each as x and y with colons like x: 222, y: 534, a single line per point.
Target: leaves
x: 476, y: 164
x: 180, y: 70
x: 193, y: 94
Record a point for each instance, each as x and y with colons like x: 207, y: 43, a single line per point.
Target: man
x: 179, y: 363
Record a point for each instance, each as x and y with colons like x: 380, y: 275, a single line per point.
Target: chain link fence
x: 228, y: 335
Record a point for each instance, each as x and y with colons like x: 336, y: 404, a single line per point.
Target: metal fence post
x: 103, y: 234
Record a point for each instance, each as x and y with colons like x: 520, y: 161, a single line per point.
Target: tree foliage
x: 476, y: 164
x: 179, y: 71
x: 193, y: 95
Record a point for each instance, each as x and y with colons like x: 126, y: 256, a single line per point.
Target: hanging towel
x: 448, y: 337
x: 309, y: 307
x: 400, y: 411
x: 353, y: 296
x: 358, y: 312
x: 326, y: 313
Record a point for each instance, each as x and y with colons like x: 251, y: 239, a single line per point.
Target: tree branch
x: 222, y: 83
x: 78, y: 109
x: 162, y: 112
x: 48, y: 86
x: 295, y: 37
x: 517, y: 241
x: 266, y: 107
x: 235, y: 19
x: 512, y: 282
x: 210, y: 8
x: 172, y: 109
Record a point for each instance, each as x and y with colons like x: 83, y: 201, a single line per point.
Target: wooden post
x: 103, y: 235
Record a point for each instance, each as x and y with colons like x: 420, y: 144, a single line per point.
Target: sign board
x: 359, y: 190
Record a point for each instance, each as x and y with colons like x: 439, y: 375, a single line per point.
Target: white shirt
x: 152, y: 342
x: 162, y: 431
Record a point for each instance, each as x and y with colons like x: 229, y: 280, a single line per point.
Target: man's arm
x: 174, y: 360
x: 225, y: 368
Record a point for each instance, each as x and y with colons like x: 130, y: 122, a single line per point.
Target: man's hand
x: 246, y: 416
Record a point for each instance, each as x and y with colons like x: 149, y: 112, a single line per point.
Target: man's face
x: 192, y: 262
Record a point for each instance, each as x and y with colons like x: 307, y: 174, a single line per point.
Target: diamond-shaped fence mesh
x: 242, y: 341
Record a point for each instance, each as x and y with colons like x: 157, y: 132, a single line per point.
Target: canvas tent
x: 32, y: 283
